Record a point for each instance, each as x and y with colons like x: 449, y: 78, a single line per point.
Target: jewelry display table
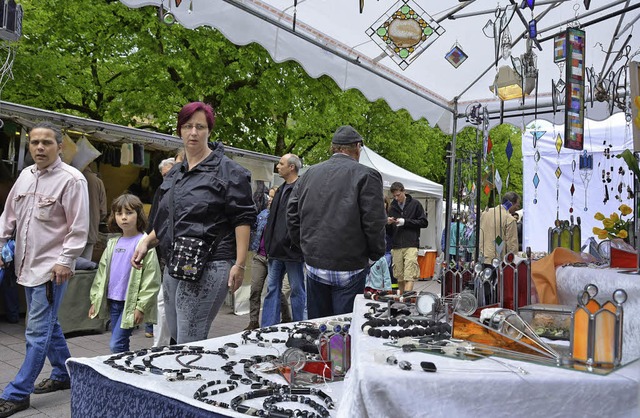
x: 481, y: 388
x: 570, y: 282
x: 98, y: 389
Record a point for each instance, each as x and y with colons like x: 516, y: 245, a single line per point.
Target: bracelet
x: 241, y: 267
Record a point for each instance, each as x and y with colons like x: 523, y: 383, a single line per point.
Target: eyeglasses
x: 190, y: 126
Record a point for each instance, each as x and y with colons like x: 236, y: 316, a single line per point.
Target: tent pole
x: 450, y: 182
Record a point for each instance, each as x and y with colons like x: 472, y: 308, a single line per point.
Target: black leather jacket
x: 276, y: 235
x: 213, y: 198
x: 336, y: 213
x: 408, y: 235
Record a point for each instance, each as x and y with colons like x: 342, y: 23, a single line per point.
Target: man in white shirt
x: 47, y: 211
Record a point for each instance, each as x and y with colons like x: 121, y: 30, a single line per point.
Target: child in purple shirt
x: 129, y: 295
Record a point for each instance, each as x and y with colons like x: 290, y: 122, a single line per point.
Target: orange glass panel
x: 593, y: 306
x: 605, y: 336
x: 580, y: 334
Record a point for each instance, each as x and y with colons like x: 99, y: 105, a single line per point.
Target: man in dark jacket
x: 283, y: 256
x: 406, y: 218
x: 336, y: 213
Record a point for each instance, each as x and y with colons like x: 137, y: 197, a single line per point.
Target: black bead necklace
x: 202, y: 394
x: 410, y: 328
x: 284, y: 394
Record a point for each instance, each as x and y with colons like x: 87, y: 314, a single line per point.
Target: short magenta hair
x: 190, y: 108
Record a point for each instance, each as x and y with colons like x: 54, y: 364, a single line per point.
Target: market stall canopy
x: 106, y: 132
x: 349, y: 41
x: 391, y: 173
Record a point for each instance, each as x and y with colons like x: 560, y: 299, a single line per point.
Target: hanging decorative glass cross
x: 404, y: 31
x: 536, y: 134
x: 586, y: 170
x: 509, y: 152
x: 573, y: 178
x: 558, y: 174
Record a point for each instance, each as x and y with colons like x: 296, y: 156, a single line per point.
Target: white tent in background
x: 429, y: 193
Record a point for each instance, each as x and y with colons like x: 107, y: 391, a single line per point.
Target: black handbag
x: 188, y: 255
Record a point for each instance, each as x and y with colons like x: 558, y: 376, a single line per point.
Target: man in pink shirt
x: 47, y: 211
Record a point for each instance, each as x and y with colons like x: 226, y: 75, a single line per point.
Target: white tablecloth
x: 570, y: 282
x: 479, y: 388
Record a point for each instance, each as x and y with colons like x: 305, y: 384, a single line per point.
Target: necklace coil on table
x: 411, y: 328
x: 284, y: 394
x: 149, y: 354
x: 202, y: 394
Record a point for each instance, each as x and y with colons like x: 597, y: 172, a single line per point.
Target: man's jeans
x: 271, y: 306
x: 44, y: 340
x: 119, y: 337
x: 327, y: 300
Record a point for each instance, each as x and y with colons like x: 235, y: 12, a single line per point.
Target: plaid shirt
x: 331, y: 277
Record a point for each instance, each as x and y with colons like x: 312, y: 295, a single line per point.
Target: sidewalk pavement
x: 57, y: 404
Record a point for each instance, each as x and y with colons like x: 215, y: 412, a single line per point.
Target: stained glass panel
x: 456, y: 56
x: 404, y: 31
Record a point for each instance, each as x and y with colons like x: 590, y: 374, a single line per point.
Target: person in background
x: 456, y: 240
x: 161, y: 336
x: 283, y: 255
x: 211, y: 197
x: 97, y: 209
x: 260, y: 268
x: 49, y: 207
x: 387, y: 248
x: 336, y: 215
x: 498, y: 237
x: 8, y: 286
x: 499, y: 222
x: 125, y: 295
x: 516, y: 216
x: 406, y: 218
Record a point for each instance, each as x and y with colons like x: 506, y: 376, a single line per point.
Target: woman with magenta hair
x: 211, y: 200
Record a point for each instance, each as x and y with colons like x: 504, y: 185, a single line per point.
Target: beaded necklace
x: 284, y: 394
x: 411, y: 328
x: 202, y: 394
x: 246, y: 336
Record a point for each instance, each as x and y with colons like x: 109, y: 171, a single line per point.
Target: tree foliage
x: 103, y: 60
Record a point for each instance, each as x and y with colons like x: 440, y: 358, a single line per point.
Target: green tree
x: 103, y: 60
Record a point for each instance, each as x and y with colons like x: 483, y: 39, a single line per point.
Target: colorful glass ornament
x: 573, y: 188
x: 575, y: 90
x: 456, y: 56
x: 498, y: 182
x: 404, y: 31
x: 536, y: 134
x: 558, y: 174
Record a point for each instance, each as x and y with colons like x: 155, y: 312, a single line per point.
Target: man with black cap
x: 336, y: 215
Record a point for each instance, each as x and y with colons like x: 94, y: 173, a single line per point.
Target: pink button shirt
x: 49, y: 212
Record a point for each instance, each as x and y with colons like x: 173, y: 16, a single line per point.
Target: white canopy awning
x: 330, y: 37
x: 391, y: 173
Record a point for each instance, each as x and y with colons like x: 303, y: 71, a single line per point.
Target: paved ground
x: 57, y: 404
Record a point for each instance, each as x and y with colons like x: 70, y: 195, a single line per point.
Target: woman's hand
x: 150, y: 241
x: 236, y: 277
x: 139, y: 254
x: 92, y: 311
x: 138, y: 317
